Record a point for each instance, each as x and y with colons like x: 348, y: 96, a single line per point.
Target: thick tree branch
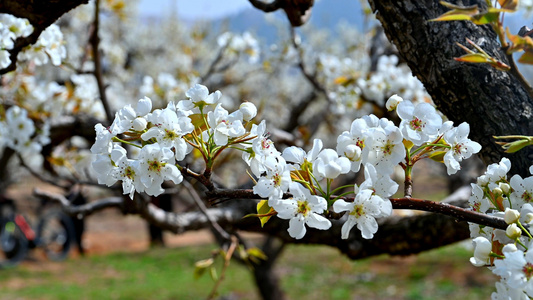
x: 396, y: 235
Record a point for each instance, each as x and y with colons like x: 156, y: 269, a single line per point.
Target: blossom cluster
x: 18, y: 132
x: 49, y: 47
x: 297, y: 184
x: 388, y: 79
x: 505, y: 252
x: 166, y: 136
x: 245, y: 43
x: 11, y: 28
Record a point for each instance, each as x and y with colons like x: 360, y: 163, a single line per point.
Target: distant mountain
x: 325, y: 14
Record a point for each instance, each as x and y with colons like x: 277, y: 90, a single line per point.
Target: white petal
x: 296, y: 227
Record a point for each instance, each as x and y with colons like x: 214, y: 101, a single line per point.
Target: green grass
x: 307, y: 272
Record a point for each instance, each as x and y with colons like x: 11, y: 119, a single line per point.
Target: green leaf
x: 201, y: 266
x: 457, y: 12
x: 438, y: 156
x: 453, y: 17
x: 473, y: 58
x: 264, y: 209
x: 257, y: 253
x: 213, y: 273
x: 486, y: 18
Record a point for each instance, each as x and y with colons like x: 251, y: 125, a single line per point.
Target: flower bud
x: 139, y: 124
x: 528, y: 218
x: 352, y: 152
x: 509, y: 248
x: 497, y: 191
x: 482, y: 250
x: 505, y: 187
x: 513, y: 232
x: 511, y: 215
x: 249, y: 111
x: 393, y: 102
x: 482, y: 180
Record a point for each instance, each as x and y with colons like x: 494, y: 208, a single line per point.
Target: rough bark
x: 491, y: 101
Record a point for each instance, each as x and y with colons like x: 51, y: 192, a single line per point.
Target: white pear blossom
x: 505, y: 292
x: 522, y: 190
x: 329, y: 165
x: 49, y: 45
x: 275, y: 181
x: 126, y: 170
x: 20, y: 127
x: 516, y: 270
x: 261, y: 147
x: 513, y: 231
x: 104, y: 168
x: 156, y: 166
x: 356, y: 144
x: 224, y: 126
x: 300, y: 159
x: 129, y: 118
x: 393, y: 102
x: 104, y: 139
x: 497, y: 172
x: 302, y: 209
x: 477, y: 200
x: 361, y: 212
x: 511, y: 215
x: 199, y: 97
x: 461, y: 147
x: 419, y: 123
x: 387, y: 149
x: 169, y: 131
x: 381, y: 184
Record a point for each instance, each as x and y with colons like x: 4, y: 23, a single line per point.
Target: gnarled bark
x: 491, y: 101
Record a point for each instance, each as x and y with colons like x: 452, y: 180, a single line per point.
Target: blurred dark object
x: 298, y: 11
x: 164, y: 202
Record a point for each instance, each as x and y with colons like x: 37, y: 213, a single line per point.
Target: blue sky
x: 193, y: 9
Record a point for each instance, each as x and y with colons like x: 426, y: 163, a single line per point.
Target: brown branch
x: 203, y: 209
x: 80, y: 211
x: 98, y: 74
x: 39, y: 176
x: 456, y: 212
x: 311, y: 77
x: 396, y: 235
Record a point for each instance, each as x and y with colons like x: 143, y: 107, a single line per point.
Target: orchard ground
x: 119, y: 264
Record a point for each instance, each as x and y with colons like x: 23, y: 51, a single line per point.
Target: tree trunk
x: 266, y: 279
x: 491, y: 101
